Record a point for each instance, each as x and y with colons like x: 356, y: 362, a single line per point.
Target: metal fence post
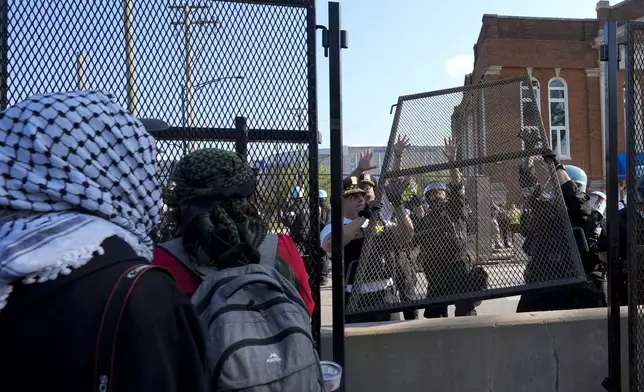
x: 314, y: 181
x: 241, y: 136
x: 337, y: 215
x: 631, y: 154
x: 609, y: 54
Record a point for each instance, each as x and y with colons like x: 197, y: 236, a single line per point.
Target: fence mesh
x: 471, y: 208
x: 203, y: 67
x: 635, y: 226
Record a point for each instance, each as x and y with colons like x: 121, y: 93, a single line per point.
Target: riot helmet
x: 598, y: 201
x: 297, y: 192
x: 435, y: 190
x: 578, y: 176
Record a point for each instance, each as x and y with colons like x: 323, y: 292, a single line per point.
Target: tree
x: 324, y: 180
x: 274, y: 184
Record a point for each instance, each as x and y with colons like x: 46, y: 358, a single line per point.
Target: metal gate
x: 634, y: 100
x: 226, y: 74
x: 481, y: 146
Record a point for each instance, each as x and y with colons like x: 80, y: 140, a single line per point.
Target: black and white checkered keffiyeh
x: 75, y: 169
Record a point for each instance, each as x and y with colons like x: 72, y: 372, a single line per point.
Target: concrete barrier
x: 531, y: 352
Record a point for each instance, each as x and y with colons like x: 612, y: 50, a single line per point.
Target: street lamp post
x: 184, y: 100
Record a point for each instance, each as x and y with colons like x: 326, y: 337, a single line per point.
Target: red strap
x: 110, y: 323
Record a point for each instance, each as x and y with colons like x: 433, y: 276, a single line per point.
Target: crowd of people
x: 435, y: 225
x: 90, y: 300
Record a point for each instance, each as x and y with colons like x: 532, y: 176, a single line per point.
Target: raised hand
x: 550, y: 156
x: 364, y: 163
x: 450, y: 149
x: 402, y: 142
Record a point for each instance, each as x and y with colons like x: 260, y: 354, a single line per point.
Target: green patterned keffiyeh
x: 220, y: 227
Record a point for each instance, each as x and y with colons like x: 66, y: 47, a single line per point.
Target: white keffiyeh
x: 75, y: 169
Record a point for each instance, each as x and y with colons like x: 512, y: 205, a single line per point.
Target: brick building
x: 561, y: 56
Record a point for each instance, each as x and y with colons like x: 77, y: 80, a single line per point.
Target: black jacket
x: 542, y: 227
x: 582, y: 215
x: 296, y: 219
x: 48, y: 332
x: 440, y: 234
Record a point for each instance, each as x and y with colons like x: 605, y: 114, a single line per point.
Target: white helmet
x: 598, y: 201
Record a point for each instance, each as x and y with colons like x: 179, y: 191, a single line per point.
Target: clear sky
x: 411, y: 46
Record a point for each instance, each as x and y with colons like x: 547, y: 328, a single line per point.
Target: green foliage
x: 274, y: 187
x: 324, y: 178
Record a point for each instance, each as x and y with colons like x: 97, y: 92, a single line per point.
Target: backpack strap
x: 268, y: 250
x: 175, y: 249
x: 110, y: 323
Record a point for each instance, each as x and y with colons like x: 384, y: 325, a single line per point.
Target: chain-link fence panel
x: 472, y: 208
x: 225, y: 74
x: 634, y: 272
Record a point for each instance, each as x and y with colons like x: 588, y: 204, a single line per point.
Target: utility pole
x: 187, y: 23
x: 129, y: 55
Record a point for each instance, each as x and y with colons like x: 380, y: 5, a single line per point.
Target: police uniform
x: 635, y: 239
x: 379, y: 289
x: 541, y: 226
x: 401, y: 265
x: 366, y: 178
x: 441, y: 238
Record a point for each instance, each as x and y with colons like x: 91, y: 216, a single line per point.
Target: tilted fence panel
x: 480, y: 213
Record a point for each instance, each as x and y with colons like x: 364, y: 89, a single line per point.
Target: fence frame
x: 463, y: 163
x: 635, y: 333
x: 334, y: 40
x: 610, y: 57
x: 239, y: 133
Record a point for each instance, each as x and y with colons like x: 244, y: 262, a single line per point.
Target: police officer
x: 325, y: 218
x: 541, y: 226
x: 325, y: 208
x: 440, y: 234
x: 403, y: 275
x: 357, y: 213
x: 635, y: 239
x: 295, y: 217
x: 368, y: 185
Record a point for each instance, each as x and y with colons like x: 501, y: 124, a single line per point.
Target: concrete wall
x: 540, y: 352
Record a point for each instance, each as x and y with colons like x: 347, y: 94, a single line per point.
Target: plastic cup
x: 332, y: 373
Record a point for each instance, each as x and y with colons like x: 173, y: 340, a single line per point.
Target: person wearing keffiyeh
x: 78, y: 199
x: 211, y: 195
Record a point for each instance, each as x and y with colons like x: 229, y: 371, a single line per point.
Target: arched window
x: 559, y: 121
x: 537, y: 92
